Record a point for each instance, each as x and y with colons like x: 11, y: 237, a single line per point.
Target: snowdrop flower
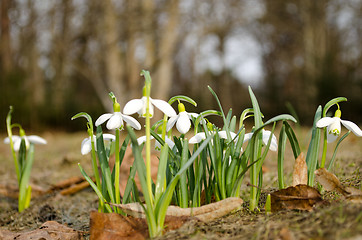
x: 201, y: 136
x: 334, y: 126
x: 266, y: 135
x: 115, y: 120
x: 28, y: 139
x: 139, y: 106
x: 182, y: 120
x: 86, y: 146
x: 169, y: 142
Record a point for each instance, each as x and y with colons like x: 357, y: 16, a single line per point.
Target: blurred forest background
x: 61, y: 57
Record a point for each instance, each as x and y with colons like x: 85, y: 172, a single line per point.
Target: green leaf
x: 336, y: 148
x: 161, y: 207
x: 25, y: 176
x: 313, y: 149
x: 95, y: 188
x: 292, y: 139
x: 281, y: 152
x: 161, y: 173
x: 102, y: 156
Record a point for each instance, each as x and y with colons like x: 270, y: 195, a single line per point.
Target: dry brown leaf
x: 300, y: 197
x: 329, y: 181
x: 300, y: 171
x: 107, y: 226
x: 12, y: 191
x: 48, y: 231
x: 205, y: 213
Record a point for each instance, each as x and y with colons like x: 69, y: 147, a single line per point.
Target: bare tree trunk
x: 167, y: 47
x: 315, y: 41
x: 60, y: 54
x: 5, y: 41
x: 114, y: 71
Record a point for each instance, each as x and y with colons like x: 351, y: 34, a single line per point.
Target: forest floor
x: 58, y: 160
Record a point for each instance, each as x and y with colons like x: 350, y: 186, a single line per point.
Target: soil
x: 58, y: 160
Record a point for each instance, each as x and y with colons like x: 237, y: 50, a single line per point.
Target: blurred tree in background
x: 59, y: 57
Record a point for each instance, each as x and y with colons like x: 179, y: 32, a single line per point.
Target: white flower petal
x: 14, y: 137
x: 164, y: 107
x: 36, y: 139
x: 133, y: 106
x: 103, y: 118
x: 352, y: 127
x: 131, y: 121
x: 109, y: 137
x: 141, y: 140
x: 86, y: 146
x: 169, y: 142
x: 17, y: 144
x: 247, y: 137
x: 324, y: 122
x: 115, y: 121
x: 183, y: 123
x: 273, y: 144
x: 195, y: 115
x: 223, y: 134
x: 331, y: 137
x: 171, y: 122
x: 197, y: 138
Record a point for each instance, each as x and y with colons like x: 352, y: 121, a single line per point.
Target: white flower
x: 182, y: 120
x: 28, y: 139
x: 169, y: 142
x: 334, y: 126
x: 115, y: 120
x: 201, y: 136
x: 86, y: 146
x: 139, y: 106
x: 266, y: 135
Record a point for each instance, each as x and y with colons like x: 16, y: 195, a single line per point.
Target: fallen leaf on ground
x: 104, y: 226
x: 48, y: 231
x: 300, y: 171
x: 331, y: 183
x: 12, y: 191
x: 204, y: 213
x: 300, y: 197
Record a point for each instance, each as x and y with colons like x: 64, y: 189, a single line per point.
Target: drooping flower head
x: 115, y: 119
x: 266, y: 136
x: 333, y: 125
x: 139, y: 106
x: 28, y: 139
x: 182, y: 120
x: 86, y: 145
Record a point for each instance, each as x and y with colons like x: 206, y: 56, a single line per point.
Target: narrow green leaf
x: 281, y: 152
x: 106, y: 171
x: 24, y: 183
x: 292, y: 139
x: 313, y: 149
x: 95, y: 188
x: 161, y: 173
x: 336, y: 148
x: 331, y: 103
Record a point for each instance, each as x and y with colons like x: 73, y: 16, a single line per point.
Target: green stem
x: 324, y: 153
x: 117, y: 169
x: 148, y: 137
x: 10, y: 135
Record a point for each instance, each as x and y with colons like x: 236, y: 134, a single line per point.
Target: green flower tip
x: 181, y: 107
x: 338, y: 113
x: 116, y: 107
x: 21, y: 132
x: 209, y: 126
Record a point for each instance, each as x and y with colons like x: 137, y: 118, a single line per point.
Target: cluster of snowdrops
x: 209, y: 165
